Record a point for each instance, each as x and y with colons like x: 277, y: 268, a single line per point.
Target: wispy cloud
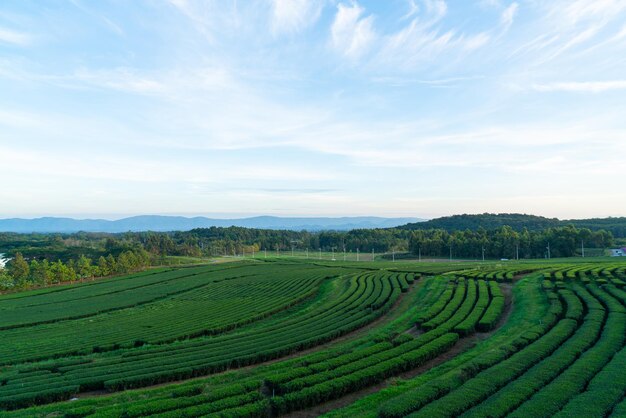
x: 413, y: 10
x: 312, y: 106
x: 417, y: 45
x: 352, y: 33
x: 13, y: 37
x: 582, y: 86
x: 508, y: 15
x: 289, y: 16
x: 436, y: 8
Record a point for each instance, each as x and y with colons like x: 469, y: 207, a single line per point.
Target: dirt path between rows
x: 462, y: 345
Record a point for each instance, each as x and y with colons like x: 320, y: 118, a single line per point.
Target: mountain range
x: 181, y: 223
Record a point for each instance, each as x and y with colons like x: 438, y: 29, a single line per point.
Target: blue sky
x: 298, y: 107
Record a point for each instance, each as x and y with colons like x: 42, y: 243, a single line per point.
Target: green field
x: 272, y: 336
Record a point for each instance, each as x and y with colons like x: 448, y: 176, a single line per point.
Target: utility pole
x: 307, y: 252
x: 450, y: 252
x: 393, y: 255
x: 333, y: 253
x: 277, y: 251
x: 517, y: 251
x: 357, y: 254
x: 419, y: 254
x: 372, y: 254
x: 320, y: 253
x: 483, y: 253
x: 582, y: 246
x: 344, y: 253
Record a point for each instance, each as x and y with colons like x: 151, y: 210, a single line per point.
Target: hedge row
x: 618, y: 294
x: 611, y: 303
x: 492, y: 314
x: 151, y: 407
x: 438, y: 306
x: 212, y: 406
x: 420, y: 396
x: 468, y: 325
x: 602, y: 394
x: 574, y: 305
x: 551, y: 398
x: 136, y: 327
x: 375, y: 373
x: 349, y: 368
x: 450, y: 308
x: 489, y: 381
x: 30, y: 398
x: 88, y: 300
x: 273, y: 381
x: 185, y: 360
x: 518, y: 391
x: 253, y: 410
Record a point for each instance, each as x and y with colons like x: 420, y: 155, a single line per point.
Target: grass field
x: 277, y: 335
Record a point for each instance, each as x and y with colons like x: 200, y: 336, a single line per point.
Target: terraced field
x: 375, y: 339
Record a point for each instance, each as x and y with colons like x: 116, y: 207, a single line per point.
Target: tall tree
x: 19, y: 270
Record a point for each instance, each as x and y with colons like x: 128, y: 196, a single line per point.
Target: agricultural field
x: 294, y: 337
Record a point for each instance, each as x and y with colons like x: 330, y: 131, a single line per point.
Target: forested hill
x: 617, y: 226
x: 517, y: 221
x: 487, y: 221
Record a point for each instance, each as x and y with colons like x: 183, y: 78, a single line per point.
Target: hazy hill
x: 181, y: 223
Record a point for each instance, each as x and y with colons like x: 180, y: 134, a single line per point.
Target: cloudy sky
x: 299, y: 107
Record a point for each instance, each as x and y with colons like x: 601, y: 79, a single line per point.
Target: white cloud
x: 15, y: 38
x: 508, y: 15
x: 582, y: 86
x: 294, y: 15
x: 577, y: 11
x: 436, y: 8
x: 413, y: 10
x: 352, y: 34
x: 418, y: 45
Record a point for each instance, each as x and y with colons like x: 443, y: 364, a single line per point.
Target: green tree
x: 83, y: 266
x: 103, y: 266
x: 59, y: 272
x: 40, y: 272
x: 111, y: 264
x: 19, y: 270
x: 6, y: 281
x: 123, y: 263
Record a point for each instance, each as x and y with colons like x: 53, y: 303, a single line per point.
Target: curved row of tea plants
x: 363, y: 298
x: 221, y: 302
x: 563, y: 370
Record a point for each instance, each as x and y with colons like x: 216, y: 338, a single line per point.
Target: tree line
x: 22, y: 274
x: 504, y: 242
x: 84, y: 255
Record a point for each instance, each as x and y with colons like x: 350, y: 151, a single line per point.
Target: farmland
x: 288, y: 336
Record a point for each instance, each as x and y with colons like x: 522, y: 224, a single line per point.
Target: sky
x: 419, y: 108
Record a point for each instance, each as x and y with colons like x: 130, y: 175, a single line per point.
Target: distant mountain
x: 518, y: 221
x: 181, y: 223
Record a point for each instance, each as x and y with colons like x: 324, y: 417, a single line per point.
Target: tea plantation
x: 266, y: 338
